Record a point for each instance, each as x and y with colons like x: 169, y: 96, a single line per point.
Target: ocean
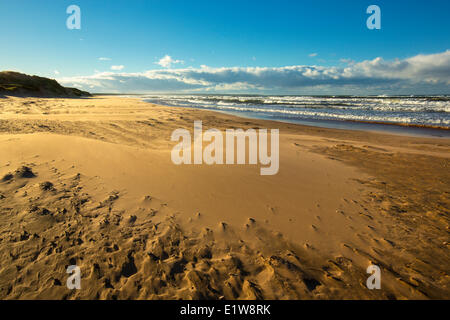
x: 328, y: 111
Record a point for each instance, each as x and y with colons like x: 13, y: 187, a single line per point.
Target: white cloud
x: 104, y: 59
x: 56, y: 72
x: 313, y: 55
x: 167, y: 61
x: 117, y: 68
x: 421, y: 73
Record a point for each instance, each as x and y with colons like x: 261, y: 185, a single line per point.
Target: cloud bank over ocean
x: 420, y: 74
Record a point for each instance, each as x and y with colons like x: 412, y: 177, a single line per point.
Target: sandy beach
x: 91, y: 182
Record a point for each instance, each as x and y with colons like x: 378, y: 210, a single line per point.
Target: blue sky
x: 221, y: 40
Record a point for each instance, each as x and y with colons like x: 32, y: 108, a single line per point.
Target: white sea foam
x: 433, y: 111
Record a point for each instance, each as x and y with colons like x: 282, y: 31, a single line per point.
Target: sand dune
x: 90, y: 182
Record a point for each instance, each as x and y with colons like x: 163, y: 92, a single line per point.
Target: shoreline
x: 402, y: 129
x: 345, y: 124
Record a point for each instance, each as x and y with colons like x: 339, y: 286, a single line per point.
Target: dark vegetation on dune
x: 19, y: 84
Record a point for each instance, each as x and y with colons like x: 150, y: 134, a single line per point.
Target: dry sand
x: 90, y: 182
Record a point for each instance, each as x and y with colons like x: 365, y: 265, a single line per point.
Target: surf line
x: 213, y: 152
